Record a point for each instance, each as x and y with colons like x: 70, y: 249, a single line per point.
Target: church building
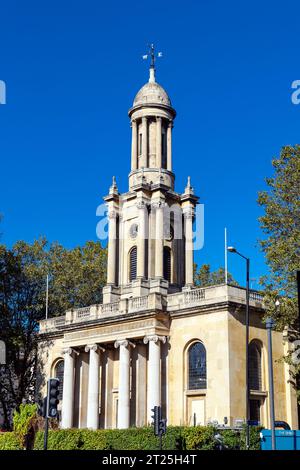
x: 157, y: 339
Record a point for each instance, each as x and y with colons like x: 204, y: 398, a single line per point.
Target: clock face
x: 133, y: 231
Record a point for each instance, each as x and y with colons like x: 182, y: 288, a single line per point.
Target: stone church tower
x: 157, y: 339
x: 150, y: 245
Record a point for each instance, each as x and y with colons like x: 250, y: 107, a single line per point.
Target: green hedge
x: 9, y: 441
x: 107, y: 439
x: 186, y: 438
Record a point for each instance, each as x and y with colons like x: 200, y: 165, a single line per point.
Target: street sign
x: 2, y: 353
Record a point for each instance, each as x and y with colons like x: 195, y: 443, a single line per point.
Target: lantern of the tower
x: 152, y: 117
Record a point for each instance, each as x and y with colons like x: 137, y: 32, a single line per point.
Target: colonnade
x: 95, y: 350
x: 139, y: 153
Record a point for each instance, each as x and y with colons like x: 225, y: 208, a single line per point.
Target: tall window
x: 167, y: 263
x: 196, y: 366
x: 255, y: 381
x: 59, y: 374
x: 255, y: 410
x: 140, y: 144
x: 132, y: 263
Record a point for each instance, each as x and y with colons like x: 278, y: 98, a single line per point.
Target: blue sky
x: 72, y: 69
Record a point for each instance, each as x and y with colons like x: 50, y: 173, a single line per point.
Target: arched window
x: 255, y: 381
x: 167, y: 263
x: 132, y: 263
x: 59, y: 374
x: 196, y: 366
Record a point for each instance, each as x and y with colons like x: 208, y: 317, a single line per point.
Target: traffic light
x: 156, y: 417
x: 162, y: 426
x: 42, y: 407
x: 53, y: 392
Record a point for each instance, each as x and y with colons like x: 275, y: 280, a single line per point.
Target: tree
x: 204, y: 277
x: 281, y: 225
x: 76, y: 279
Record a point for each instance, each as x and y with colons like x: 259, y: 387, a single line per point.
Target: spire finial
x: 114, y: 188
x: 189, y: 189
x: 151, y: 54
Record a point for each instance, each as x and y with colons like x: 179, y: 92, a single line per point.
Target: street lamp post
x: 233, y: 250
x: 269, y: 326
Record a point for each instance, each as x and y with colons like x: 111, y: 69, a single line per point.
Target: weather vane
x: 151, y: 54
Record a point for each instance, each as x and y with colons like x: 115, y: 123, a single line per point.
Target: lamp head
x: 277, y: 303
x: 231, y: 249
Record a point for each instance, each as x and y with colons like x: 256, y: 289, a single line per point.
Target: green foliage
x: 204, y: 277
x: 281, y: 246
x: 9, y: 441
x: 199, y: 437
x: 131, y: 439
x: 64, y: 439
x: 76, y: 277
x: 281, y: 225
x: 23, y: 420
x: 231, y: 439
x: 191, y: 438
x: 93, y: 440
x: 254, y: 438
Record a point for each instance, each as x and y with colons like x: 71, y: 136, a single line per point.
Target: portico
x: 122, y: 371
x: 125, y: 379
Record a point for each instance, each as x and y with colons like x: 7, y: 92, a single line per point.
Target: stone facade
x: 156, y: 339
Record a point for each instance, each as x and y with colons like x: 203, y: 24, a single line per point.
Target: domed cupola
x: 152, y: 118
x: 151, y: 93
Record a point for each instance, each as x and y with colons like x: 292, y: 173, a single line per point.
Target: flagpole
x: 47, y: 288
x: 225, y: 254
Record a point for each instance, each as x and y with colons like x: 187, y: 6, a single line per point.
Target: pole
x: 46, y: 433
x: 247, y: 355
x: 47, y: 288
x: 234, y: 250
x: 269, y: 326
x: 225, y: 254
x: 46, y: 419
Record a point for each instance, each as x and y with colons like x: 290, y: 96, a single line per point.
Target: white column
x: 144, y: 162
x: 159, y: 238
x: 112, y: 248
x: 93, y: 386
x: 134, y: 146
x: 189, y: 252
x: 154, y: 373
x: 169, y: 146
x: 141, y: 242
x: 68, y: 388
x: 158, y: 143
x: 124, y: 383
